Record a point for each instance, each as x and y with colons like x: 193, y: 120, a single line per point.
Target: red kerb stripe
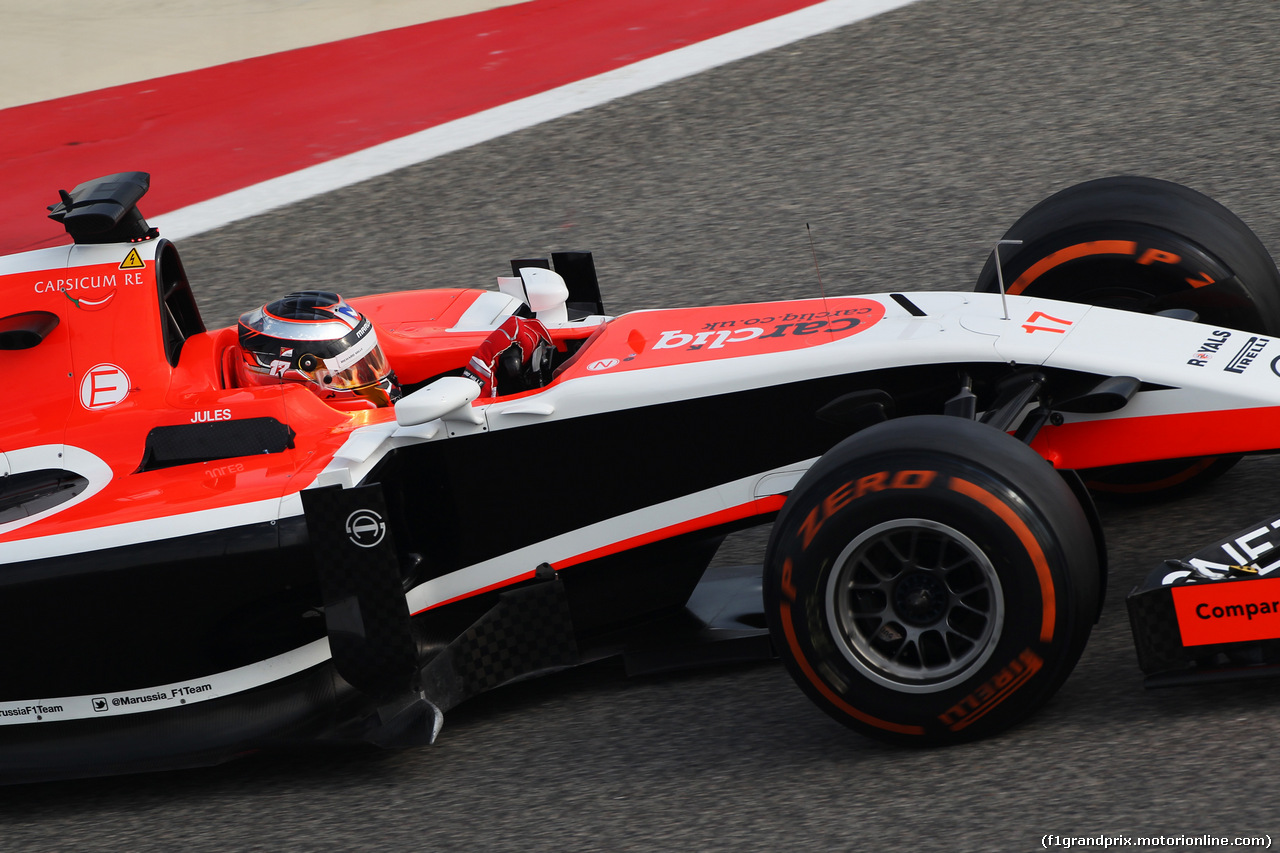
x: 208, y: 132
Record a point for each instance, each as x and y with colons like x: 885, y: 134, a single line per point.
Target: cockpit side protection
x: 179, y: 315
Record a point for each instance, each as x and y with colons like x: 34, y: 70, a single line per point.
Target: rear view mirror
x: 445, y: 395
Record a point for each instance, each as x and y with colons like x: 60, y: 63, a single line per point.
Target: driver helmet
x: 315, y: 337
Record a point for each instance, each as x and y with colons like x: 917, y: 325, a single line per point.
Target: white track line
x: 517, y: 115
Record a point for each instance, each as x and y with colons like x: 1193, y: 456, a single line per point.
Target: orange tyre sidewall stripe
x: 829, y: 694
x: 1028, y: 540
x: 1070, y: 253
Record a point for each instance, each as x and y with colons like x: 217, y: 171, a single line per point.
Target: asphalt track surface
x: 908, y: 143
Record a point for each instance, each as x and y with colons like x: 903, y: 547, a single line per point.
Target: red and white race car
x: 339, y: 519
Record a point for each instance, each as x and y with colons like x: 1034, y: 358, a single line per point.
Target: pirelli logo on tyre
x: 993, y: 691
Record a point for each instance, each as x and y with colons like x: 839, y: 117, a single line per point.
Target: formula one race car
x: 335, y: 521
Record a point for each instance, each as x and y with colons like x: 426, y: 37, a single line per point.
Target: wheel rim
x: 914, y: 605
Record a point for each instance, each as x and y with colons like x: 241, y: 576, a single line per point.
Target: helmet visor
x: 361, y: 364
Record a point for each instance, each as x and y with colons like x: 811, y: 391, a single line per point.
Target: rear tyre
x: 931, y: 595
x: 1146, y: 245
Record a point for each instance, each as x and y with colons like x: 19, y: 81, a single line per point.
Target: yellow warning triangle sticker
x: 132, y: 261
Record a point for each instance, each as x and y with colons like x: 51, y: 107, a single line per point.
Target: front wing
x: 1214, y: 616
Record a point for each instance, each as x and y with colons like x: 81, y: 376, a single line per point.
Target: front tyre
x: 1145, y: 245
x: 931, y: 580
